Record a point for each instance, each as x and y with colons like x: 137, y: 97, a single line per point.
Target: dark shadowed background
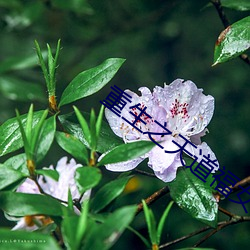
x: 161, y: 41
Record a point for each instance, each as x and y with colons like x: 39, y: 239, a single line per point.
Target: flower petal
x: 125, y: 165
x: 165, y: 164
x: 65, y: 182
x: 189, y: 110
x: 201, y: 151
x: 29, y: 187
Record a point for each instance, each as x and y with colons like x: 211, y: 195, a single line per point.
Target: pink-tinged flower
x: 58, y: 189
x: 186, y: 111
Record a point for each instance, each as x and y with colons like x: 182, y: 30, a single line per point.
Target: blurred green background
x: 162, y: 41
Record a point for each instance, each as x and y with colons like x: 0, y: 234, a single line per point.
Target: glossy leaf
x: 241, y: 5
x: 69, y: 230
x: 233, y: 41
x: 46, y: 138
x: 194, y: 196
x: 19, y: 90
x: 83, y: 223
x: 18, y: 162
x: 151, y: 223
x: 84, y: 125
x: 162, y: 221
x: 16, y: 240
x: 126, y: 152
x: 73, y: 146
x: 99, y: 122
x: 53, y: 174
x: 87, y: 177
x: 90, y: 81
x: 8, y: 176
x: 74, y: 228
x: 108, y: 193
x: 105, y: 235
x: 20, y: 204
x: 92, y: 127
x: 10, y: 136
x: 107, y: 138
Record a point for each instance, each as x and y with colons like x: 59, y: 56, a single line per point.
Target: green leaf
x: 126, y: 152
x: 90, y: 81
x: 19, y: 90
x: 92, y: 126
x: 37, y: 132
x: 69, y: 230
x: 162, y: 221
x: 10, y: 136
x: 108, y: 193
x: 53, y: 174
x: 105, y: 235
x: 99, y: 122
x: 74, y: 228
x: 46, y: 138
x: 20, y: 204
x: 241, y: 5
x: 18, y: 162
x: 70, y: 201
x: 42, y: 64
x: 87, y: 177
x: 84, y: 125
x: 82, y: 223
x: 143, y: 239
x: 151, y: 223
x: 73, y: 146
x: 194, y: 196
x: 107, y: 139
x: 28, y: 126
x: 16, y: 240
x: 233, y: 41
x: 8, y: 176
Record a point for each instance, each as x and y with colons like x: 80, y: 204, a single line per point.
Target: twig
x: 226, y: 23
x: 42, y: 192
x: 144, y: 173
x: 222, y: 15
x: 204, y: 229
x: 224, y: 211
x: 234, y: 220
x: 245, y: 182
x: 152, y: 198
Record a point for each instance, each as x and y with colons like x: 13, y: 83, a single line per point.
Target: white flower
x: 58, y: 189
x: 186, y: 111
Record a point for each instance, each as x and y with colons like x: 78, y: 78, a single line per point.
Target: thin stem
x: 204, y: 229
x: 245, y: 182
x: 226, y: 23
x: 224, y: 211
x: 152, y: 198
x: 144, y: 173
x: 42, y: 192
x: 234, y: 220
x: 222, y: 15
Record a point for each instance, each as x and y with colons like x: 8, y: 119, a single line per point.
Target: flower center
x: 180, y: 110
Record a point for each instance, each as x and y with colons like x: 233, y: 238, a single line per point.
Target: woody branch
x: 234, y: 219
